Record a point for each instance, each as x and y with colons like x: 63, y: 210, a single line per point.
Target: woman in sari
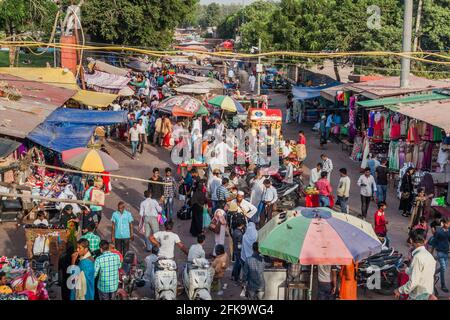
x: 219, y: 238
x: 167, y: 132
x: 348, y: 290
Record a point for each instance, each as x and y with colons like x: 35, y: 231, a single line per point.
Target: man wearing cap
x: 243, y: 206
x: 213, y: 184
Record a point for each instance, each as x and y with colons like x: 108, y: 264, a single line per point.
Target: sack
x: 405, y: 195
x: 98, y: 196
x: 214, y: 226
x: 141, y: 227
x: 41, y: 245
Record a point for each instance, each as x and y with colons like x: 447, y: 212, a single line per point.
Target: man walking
x: 421, y: 271
x: 382, y: 180
x: 149, y: 210
x: 254, y: 275
x: 156, y: 189
x: 169, y: 193
x: 327, y: 165
x: 107, y: 267
x: 269, y: 198
x: 252, y: 82
x: 368, y: 187
x: 133, y: 138
x: 142, y: 135
x: 343, y: 190
x: 441, y: 244
x: 122, y: 228
x: 213, y: 184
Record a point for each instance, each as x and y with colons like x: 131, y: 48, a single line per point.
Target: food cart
x: 271, y: 118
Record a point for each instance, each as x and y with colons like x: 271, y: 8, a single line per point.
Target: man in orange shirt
x: 325, y: 190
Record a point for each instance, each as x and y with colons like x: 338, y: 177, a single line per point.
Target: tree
x: 147, y: 23
x: 20, y: 19
x: 252, y: 23
x: 212, y: 15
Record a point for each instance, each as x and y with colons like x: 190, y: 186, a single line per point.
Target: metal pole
x: 259, y: 73
x: 407, y: 39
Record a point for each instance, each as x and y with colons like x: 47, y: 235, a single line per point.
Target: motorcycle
x: 288, y: 196
x: 197, y: 279
x: 130, y: 276
x: 165, y: 279
x: 388, y: 263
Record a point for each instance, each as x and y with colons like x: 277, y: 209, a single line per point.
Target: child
x: 220, y: 265
x: 40, y: 219
x: 4, y: 287
x: 381, y: 222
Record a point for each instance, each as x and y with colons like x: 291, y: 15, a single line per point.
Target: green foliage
x: 147, y: 23
x: 19, y: 16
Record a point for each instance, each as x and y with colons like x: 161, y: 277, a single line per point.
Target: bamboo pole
x: 98, y: 174
x: 26, y: 196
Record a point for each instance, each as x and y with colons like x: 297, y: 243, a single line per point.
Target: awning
x: 410, y: 99
x: 61, y: 137
x: 59, y: 77
x: 435, y: 112
x: 105, y: 82
x: 257, y: 114
x: 7, y: 147
x: 87, y: 117
x: 306, y: 93
x: 108, y: 68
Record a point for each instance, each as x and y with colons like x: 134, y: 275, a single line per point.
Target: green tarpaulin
x: 410, y: 99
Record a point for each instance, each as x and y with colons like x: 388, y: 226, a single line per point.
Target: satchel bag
x: 405, y: 195
x: 214, y: 226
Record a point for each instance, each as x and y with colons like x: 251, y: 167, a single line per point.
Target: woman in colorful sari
x: 167, y: 132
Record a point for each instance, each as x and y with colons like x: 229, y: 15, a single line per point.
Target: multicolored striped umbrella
x: 318, y: 236
x: 89, y: 160
x: 227, y: 103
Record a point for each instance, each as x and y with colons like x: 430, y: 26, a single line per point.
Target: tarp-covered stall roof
x: 60, y: 77
x: 7, y: 147
x: 435, y: 112
x: 409, y: 99
x: 61, y: 137
x: 105, y: 82
x: 305, y: 93
x: 87, y: 117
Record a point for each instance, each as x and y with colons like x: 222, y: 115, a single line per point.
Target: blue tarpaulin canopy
x: 306, y: 93
x: 60, y: 137
x: 87, y: 117
x: 66, y: 129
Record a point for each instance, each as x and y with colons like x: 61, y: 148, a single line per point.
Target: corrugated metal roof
x: 410, y: 99
x: 18, y: 118
x: 7, y: 146
x: 435, y: 112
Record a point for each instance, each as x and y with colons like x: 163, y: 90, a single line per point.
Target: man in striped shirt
x: 169, y: 193
x: 107, y: 269
x: 223, y: 195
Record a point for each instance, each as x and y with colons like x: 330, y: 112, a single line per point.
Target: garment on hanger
x: 366, y: 151
x: 403, y: 126
x: 437, y: 134
x: 395, y: 127
x: 409, y: 152
x: 393, y: 155
x: 420, y: 160
x: 378, y: 127
x: 415, y: 154
x: 401, y: 153
x: 413, y: 134
x: 386, y: 127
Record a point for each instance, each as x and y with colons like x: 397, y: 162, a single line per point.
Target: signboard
x: 259, y: 68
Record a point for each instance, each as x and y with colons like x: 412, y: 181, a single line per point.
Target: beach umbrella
x: 202, y: 111
x: 227, y: 103
x: 181, y: 106
x: 89, y: 160
x: 319, y: 236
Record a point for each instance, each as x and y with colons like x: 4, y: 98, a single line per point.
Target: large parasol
x: 89, y: 160
x: 181, y: 106
x: 227, y: 103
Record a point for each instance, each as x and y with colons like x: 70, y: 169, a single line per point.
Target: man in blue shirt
x: 441, y: 244
x: 329, y: 124
x: 122, y: 228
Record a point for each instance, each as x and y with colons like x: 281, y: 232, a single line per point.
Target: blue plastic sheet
x: 306, y: 93
x: 87, y: 117
x: 61, y: 137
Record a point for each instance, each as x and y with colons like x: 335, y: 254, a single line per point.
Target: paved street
x: 12, y: 241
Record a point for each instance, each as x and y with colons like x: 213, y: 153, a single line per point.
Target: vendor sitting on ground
x: 40, y: 220
x: 4, y: 287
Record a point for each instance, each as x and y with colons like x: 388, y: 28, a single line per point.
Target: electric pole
x: 407, y: 38
x: 258, y: 83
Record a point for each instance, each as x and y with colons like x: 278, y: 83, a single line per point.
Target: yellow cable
x: 224, y: 54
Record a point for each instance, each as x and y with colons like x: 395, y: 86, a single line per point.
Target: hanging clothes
x: 393, y: 155
x: 409, y: 148
x: 403, y: 126
x: 437, y: 134
x: 401, y: 154
x: 415, y: 154
x: 413, y: 133
x: 378, y: 127
x: 386, y: 127
x: 371, y: 123
x: 357, y: 148
x: 395, y: 127
x: 366, y: 151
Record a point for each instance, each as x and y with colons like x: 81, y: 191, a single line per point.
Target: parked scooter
x: 130, y: 276
x: 197, y: 279
x: 165, y: 279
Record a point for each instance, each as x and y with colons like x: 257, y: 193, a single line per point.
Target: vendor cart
x: 271, y: 118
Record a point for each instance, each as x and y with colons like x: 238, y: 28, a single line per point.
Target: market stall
x: 271, y: 118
